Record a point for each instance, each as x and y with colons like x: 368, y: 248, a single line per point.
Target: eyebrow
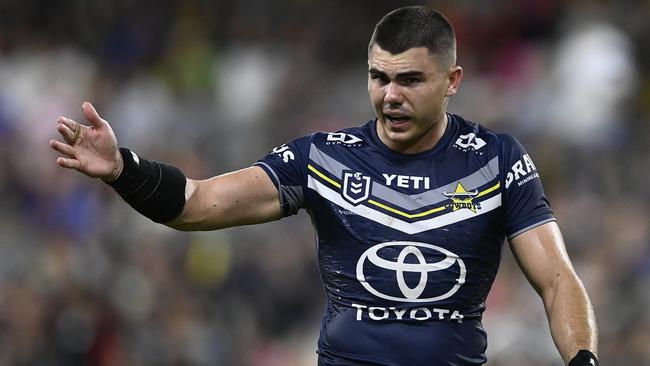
x: 405, y: 74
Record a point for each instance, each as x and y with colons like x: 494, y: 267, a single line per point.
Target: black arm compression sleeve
x: 154, y: 189
x: 584, y: 358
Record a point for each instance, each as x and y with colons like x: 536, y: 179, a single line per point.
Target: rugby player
x: 410, y: 210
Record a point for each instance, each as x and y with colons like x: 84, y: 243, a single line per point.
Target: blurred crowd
x: 212, y: 86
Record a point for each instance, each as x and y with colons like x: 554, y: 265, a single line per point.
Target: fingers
x: 69, y: 161
x: 67, y: 122
x: 91, y: 115
x: 69, y: 129
x: 62, y: 148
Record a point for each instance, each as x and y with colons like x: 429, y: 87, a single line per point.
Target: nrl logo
x: 356, y: 187
x: 461, y: 198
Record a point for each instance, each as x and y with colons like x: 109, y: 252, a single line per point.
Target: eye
x: 380, y: 78
x: 409, y: 81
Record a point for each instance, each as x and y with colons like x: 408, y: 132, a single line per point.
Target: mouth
x: 397, y: 121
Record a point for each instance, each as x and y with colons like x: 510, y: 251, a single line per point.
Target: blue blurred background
x: 212, y: 86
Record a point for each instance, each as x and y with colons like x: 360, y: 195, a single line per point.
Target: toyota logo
x: 400, y: 267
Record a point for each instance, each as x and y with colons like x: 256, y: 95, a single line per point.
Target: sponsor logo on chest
x: 407, y: 181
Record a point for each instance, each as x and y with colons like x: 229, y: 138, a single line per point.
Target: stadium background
x: 212, y: 86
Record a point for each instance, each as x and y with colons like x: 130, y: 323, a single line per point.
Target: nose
x: 393, y: 96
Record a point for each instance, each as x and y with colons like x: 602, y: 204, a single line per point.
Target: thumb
x: 91, y: 115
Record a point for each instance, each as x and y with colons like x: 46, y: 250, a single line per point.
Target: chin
x: 400, y: 137
x: 402, y: 131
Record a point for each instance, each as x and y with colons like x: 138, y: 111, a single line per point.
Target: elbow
x: 563, y: 283
x: 180, y: 227
x: 183, y: 224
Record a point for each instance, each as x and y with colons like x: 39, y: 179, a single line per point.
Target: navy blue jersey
x: 408, y: 245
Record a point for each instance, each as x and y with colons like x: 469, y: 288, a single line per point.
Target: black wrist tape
x: 154, y: 189
x: 584, y: 358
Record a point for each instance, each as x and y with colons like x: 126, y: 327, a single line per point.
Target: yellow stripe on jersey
x: 394, y: 210
x: 410, y: 216
x: 496, y: 186
x: 331, y: 181
x: 429, y: 212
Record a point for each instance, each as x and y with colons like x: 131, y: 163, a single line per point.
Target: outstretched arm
x: 243, y: 197
x: 239, y: 198
x: 542, y: 256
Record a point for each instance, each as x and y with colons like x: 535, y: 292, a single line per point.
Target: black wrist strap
x: 584, y: 358
x: 156, y: 190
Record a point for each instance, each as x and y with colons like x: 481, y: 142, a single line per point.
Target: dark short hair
x: 415, y: 26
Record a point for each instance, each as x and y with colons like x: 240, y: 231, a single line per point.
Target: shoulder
x: 299, y: 149
x: 347, y: 137
x: 471, y: 135
x: 513, y: 160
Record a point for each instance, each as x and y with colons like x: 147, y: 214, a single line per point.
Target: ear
x: 455, y: 76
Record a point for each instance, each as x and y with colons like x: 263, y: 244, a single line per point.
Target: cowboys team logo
x: 410, y: 272
x: 461, y: 198
x: 356, y: 187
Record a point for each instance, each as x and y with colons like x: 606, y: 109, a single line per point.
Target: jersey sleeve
x: 526, y: 206
x: 286, y: 166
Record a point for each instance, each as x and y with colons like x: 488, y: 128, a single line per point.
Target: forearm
x: 571, y: 316
x: 206, y: 208
x: 162, y: 193
x: 154, y: 189
x: 188, y: 220
x: 243, y: 197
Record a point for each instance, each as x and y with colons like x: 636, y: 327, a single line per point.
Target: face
x: 409, y: 93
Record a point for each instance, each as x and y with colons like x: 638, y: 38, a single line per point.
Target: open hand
x: 92, y: 149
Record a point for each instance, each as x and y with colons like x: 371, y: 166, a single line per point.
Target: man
x: 410, y: 210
